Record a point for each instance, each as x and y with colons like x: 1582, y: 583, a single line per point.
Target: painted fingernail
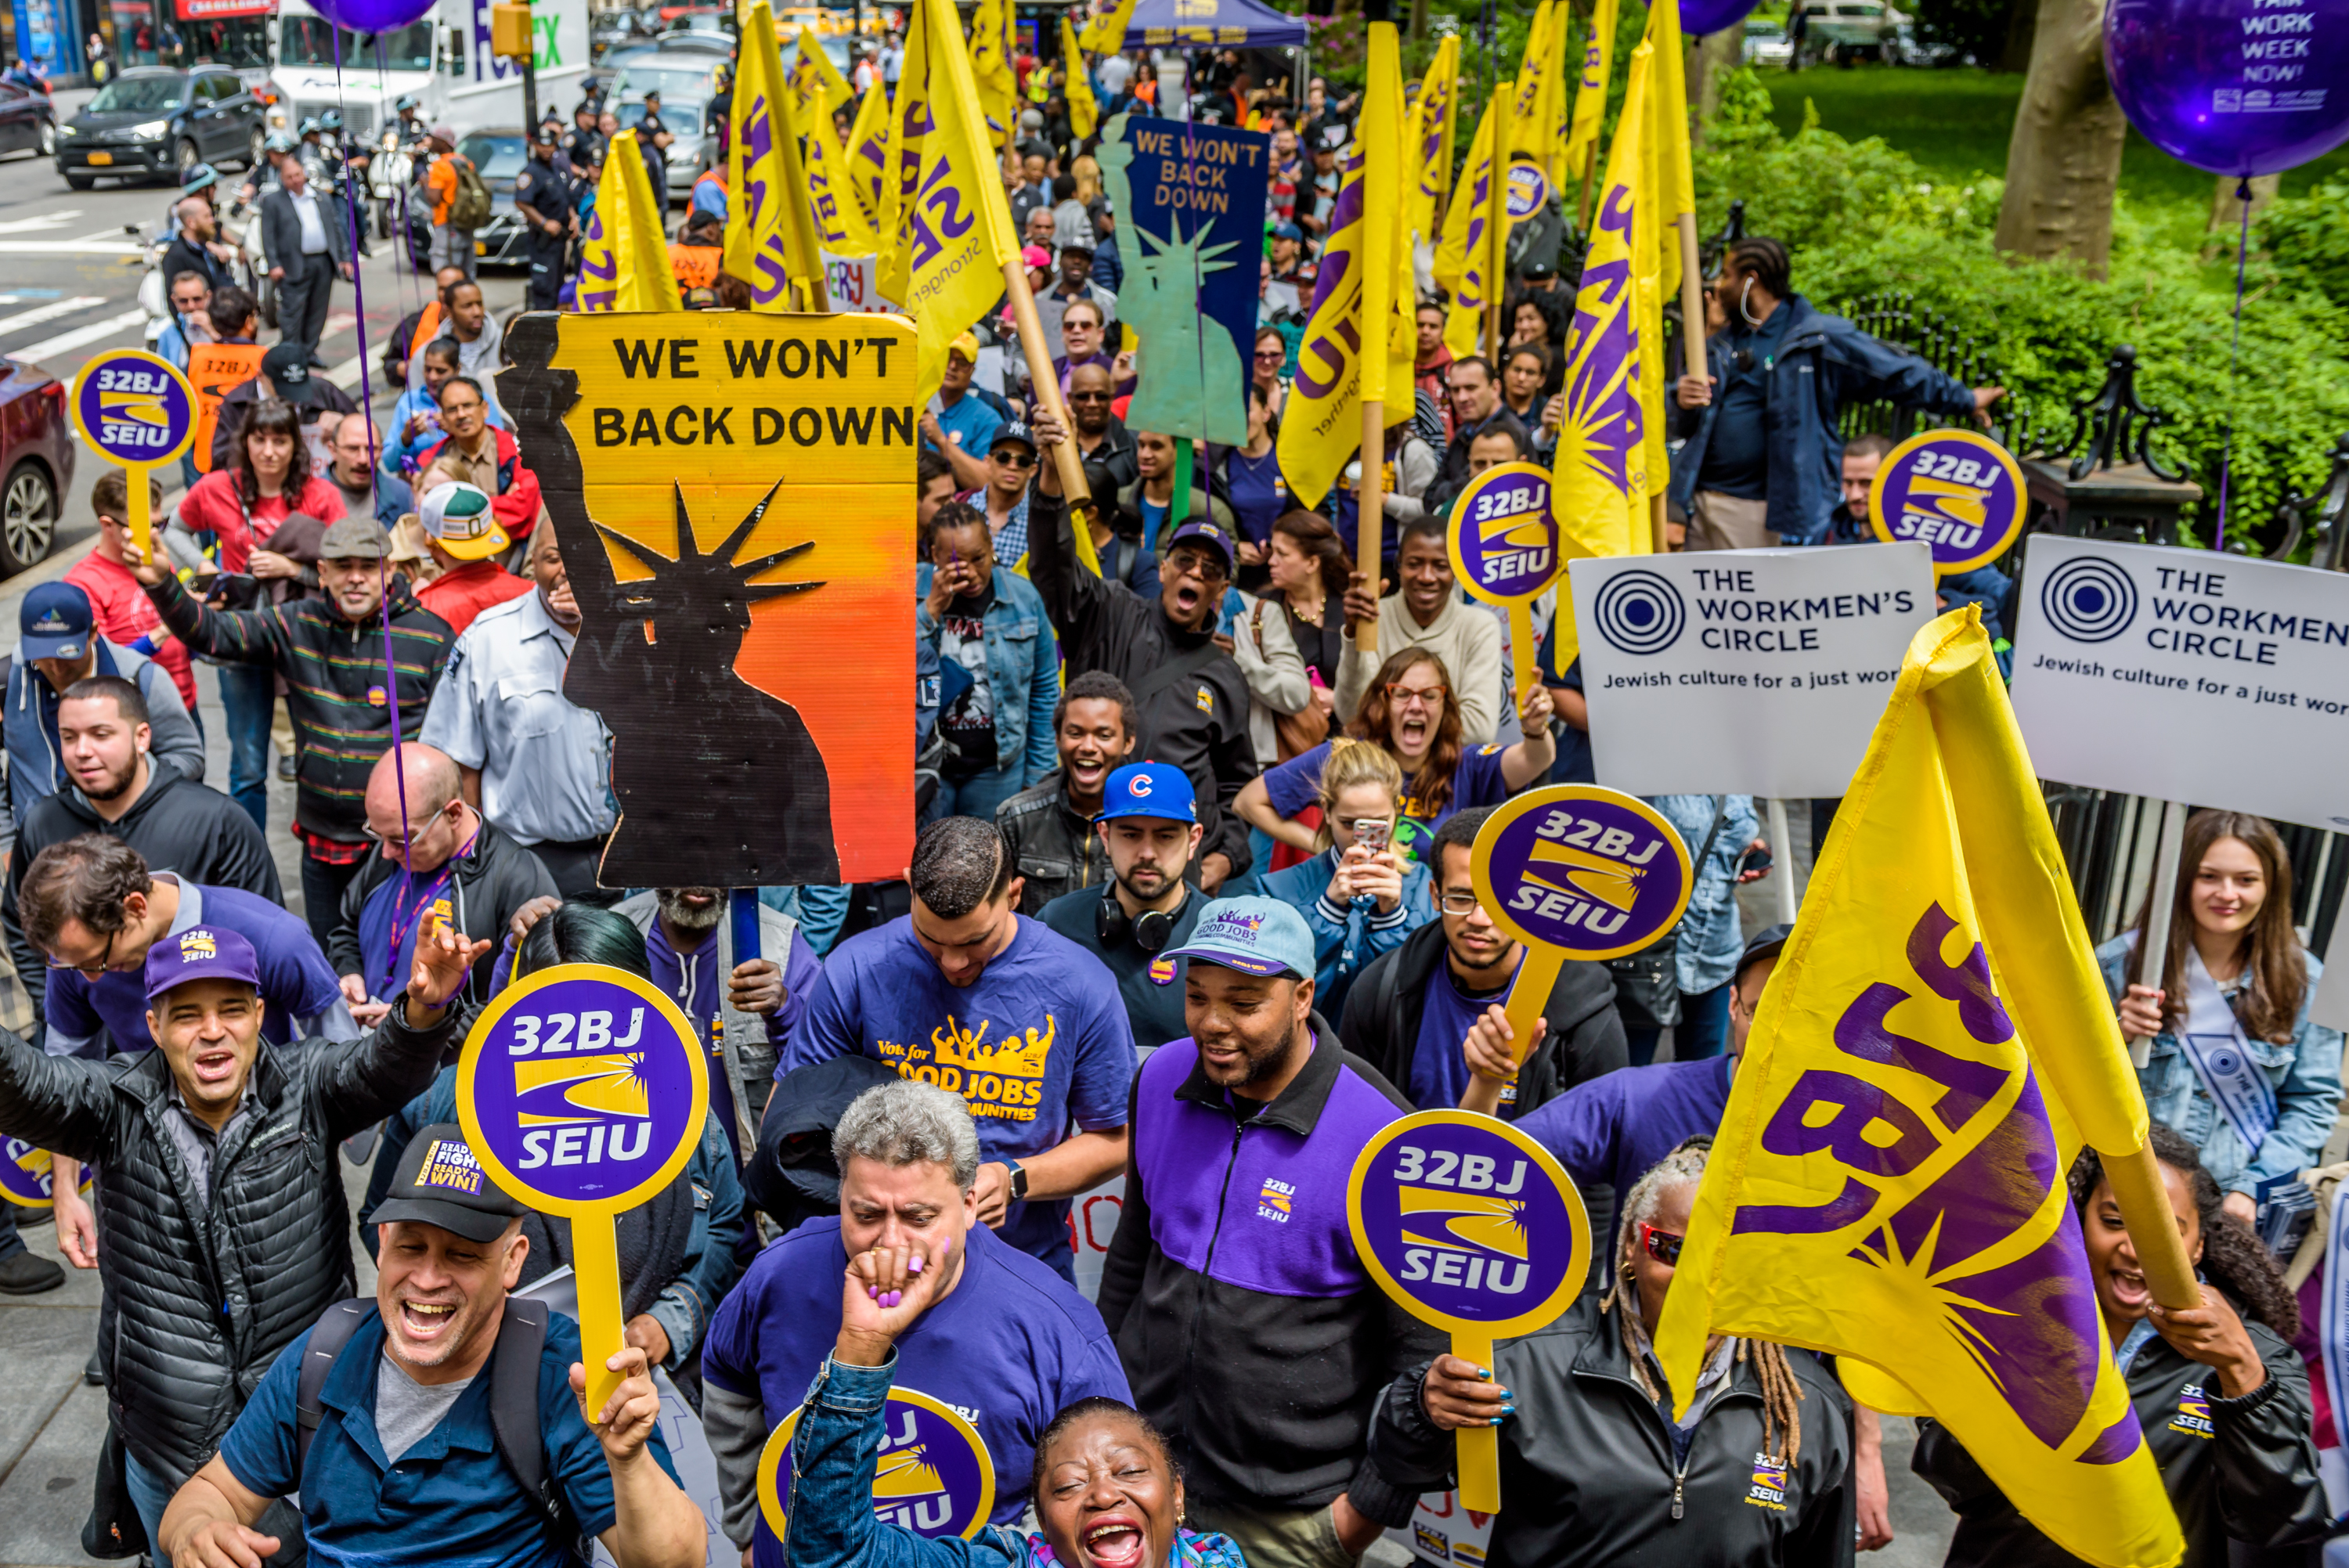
x: 1493, y: 1422
x: 892, y: 1298
x: 873, y: 1291
x: 913, y: 1265
x: 1509, y: 1409
x: 1484, y: 1373
x: 1507, y: 1394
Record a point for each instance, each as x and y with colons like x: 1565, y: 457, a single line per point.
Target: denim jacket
x: 1346, y: 940
x: 2306, y: 1075
x: 1710, y: 935
x: 834, y: 1454
x: 1023, y: 669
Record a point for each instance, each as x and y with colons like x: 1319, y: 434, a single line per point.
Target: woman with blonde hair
x: 1361, y: 896
x: 2235, y: 1065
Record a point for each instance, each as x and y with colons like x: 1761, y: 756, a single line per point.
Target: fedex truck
x: 443, y: 59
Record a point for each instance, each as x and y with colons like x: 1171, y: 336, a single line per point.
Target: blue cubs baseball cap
x: 1149, y: 790
x: 1254, y: 935
x: 54, y: 621
x: 200, y: 952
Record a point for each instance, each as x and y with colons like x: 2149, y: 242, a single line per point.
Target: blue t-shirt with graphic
x: 1010, y: 1346
x: 1038, y: 1046
x: 1476, y: 781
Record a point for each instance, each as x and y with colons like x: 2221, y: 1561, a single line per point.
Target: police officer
x: 542, y: 197
x: 653, y: 138
x: 409, y: 130
x: 581, y: 148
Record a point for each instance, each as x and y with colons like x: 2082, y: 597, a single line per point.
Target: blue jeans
x: 151, y: 1494
x: 249, y: 700
x: 975, y: 797
x: 1702, y: 1031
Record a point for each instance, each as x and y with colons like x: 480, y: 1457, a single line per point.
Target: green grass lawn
x: 1955, y: 123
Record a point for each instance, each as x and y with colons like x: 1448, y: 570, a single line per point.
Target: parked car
x: 686, y: 81
x: 1847, y: 31
x: 1767, y: 43
x: 28, y: 121
x: 497, y: 154
x: 151, y: 122
x: 36, y: 455
x: 699, y: 39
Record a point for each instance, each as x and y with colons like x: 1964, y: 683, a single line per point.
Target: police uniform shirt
x: 583, y: 148
x: 646, y: 130
x: 545, y: 193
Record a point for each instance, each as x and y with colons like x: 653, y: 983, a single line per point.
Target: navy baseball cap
x: 441, y: 1182
x: 1207, y: 533
x: 1149, y: 790
x: 200, y: 952
x: 1254, y: 935
x: 1012, y: 430
x: 1765, y: 944
x: 54, y: 621
x: 1287, y: 231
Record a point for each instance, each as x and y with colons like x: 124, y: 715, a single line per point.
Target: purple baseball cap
x: 200, y: 952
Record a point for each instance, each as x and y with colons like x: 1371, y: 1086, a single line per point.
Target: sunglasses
x: 1013, y: 459
x: 1206, y: 568
x: 1662, y: 1245
x: 1089, y: 397
x: 1270, y: 356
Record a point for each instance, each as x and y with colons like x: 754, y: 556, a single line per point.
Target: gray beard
x: 684, y: 916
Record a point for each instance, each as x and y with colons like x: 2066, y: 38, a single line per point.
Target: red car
x: 36, y: 457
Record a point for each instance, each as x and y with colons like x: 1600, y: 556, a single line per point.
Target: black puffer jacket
x: 204, y: 1299
x: 1590, y: 1478
x: 1584, y: 1038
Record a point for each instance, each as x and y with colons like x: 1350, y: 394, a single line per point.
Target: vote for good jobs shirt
x: 1009, y: 1348
x: 1038, y: 1046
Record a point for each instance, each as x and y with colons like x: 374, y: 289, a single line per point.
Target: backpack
x: 513, y: 1402
x: 470, y: 207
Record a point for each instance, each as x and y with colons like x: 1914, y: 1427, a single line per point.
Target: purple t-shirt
x: 1615, y: 1127
x: 1439, y: 1068
x: 1039, y: 1045
x: 1011, y: 1346
x: 1476, y: 781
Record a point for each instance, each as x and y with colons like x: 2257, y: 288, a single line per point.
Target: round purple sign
x: 1468, y: 1223
x: 582, y: 1089
x: 1699, y: 17
x: 2236, y: 87
x: 1592, y: 873
x: 25, y: 1177
x: 1504, y: 540
x: 1528, y: 189
x: 134, y: 408
x: 1957, y: 491
x: 933, y: 1477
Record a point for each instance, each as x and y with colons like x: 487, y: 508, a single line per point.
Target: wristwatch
x: 1018, y: 1180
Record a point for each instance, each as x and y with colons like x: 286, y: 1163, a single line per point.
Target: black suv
x: 156, y: 121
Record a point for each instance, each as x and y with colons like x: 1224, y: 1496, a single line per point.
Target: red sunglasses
x: 1662, y: 1245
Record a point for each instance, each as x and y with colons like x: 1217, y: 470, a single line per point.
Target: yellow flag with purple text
x: 1084, y: 114
x: 1888, y: 1184
x: 1464, y: 255
x: 1590, y: 92
x: 868, y: 151
x: 762, y: 248
x: 817, y: 86
x: 991, y: 67
x: 624, y: 252
x: 1428, y: 150
x: 842, y: 226
x: 945, y: 229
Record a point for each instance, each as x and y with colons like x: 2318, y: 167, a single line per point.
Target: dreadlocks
x: 1782, y: 1394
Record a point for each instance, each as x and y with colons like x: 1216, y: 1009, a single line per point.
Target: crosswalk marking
x: 79, y: 336
x: 48, y: 311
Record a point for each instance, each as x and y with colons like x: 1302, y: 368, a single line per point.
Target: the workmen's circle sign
x: 134, y: 408
x: 1503, y: 540
x: 934, y: 1478
x: 24, y: 1174
x: 1957, y: 491
x: 1593, y: 872
x: 581, y: 1088
x: 1528, y: 189
x: 1468, y: 1223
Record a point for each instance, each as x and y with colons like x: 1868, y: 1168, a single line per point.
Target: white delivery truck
x: 443, y: 59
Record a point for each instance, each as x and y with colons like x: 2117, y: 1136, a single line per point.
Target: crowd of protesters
x: 1201, y: 863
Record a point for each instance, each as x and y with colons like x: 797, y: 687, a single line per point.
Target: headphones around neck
x: 1113, y: 927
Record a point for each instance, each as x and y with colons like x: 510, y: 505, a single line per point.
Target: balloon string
x: 2234, y: 358
x: 366, y: 409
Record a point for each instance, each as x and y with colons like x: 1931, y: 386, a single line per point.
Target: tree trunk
x: 1418, y: 21
x: 1715, y: 57
x: 2021, y: 23
x: 2065, y: 159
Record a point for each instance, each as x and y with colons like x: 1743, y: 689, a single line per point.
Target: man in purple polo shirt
x: 1253, y: 1335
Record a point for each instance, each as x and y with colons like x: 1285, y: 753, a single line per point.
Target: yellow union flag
x: 841, y: 225
x: 1888, y: 1185
x: 868, y: 151
x: 991, y: 67
x: 624, y: 254
x: 768, y: 246
x: 1464, y: 255
x: 1428, y: 151
x: 1590, y: 92
x: 1083, y: 113
x: 946, y: 226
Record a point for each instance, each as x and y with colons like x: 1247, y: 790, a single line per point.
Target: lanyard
x: 402, y: 912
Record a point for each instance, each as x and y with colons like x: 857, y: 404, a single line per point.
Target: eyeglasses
x: 92, y: 971
x: 1270, y: 356
x: 1426, y: 696
x: 406, y: 846
x: 1192, y: 564
x: 1662, y: 1245
x: 1016, y: 459
x: 1457, y: 904
x: 1089, y: 397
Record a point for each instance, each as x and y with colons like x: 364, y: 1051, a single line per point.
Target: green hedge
x: 1858, y: 216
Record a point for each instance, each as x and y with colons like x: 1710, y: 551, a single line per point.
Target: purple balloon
x: 1699, y: 17
x: 373, y: 16
x: 2236, y: 87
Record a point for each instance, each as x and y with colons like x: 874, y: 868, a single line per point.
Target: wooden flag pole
x: 1047, y: 382
x: 1370, y: 513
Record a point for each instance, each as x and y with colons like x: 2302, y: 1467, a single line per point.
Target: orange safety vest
x: 214, y: 370
x: 695, y: 266
x: 427, y: 326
